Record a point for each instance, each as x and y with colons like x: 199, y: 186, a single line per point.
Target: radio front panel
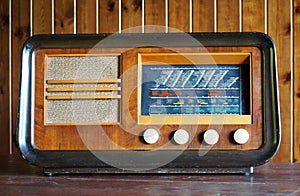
x: 122, y: 94
x: 215, y: 104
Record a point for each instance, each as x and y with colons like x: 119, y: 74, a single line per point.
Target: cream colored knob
x: 241, y: 136
x: 211, y: 137
x: 151, y: 136
x: 181, y: 136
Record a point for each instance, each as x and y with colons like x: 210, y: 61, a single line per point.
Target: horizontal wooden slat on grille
x: 83, y: 97
x: 83, y: 89
x: 101, y: 81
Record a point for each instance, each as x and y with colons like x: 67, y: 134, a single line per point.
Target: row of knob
x: 181, y: 136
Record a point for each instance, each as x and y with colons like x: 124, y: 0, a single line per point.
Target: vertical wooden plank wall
x: 86, y: 16
x: 179, y: 19
x: 4, y: 78
x: 20, y: 28
x: 108, y: 16
x: 228, y: 16
x: 155, y: 16
x: 296, y: 107
x: 203, y: 16
x: 64, y: 16
x: 253, y: 18
x: 131, y: 16
x: 42, y: 17
x: 279, y: 28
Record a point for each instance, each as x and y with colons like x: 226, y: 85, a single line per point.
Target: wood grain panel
x: 4, y: 78
x: 254, y: 15
x: 108, y: 16
x: 93, y: 136
x: 155, y: 16
x: 20, y: 32
x: 86, y: 16
x: 179, y: 15
x: 131, y: 16
x: 297, y: 81
x: 42, y: 17
x: 203, y: 16
x: 279, y: 28
x: 228, y: 15
x: 64, y: 16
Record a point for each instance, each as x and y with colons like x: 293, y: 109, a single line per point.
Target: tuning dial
x: 241, y: 136
x: 181, y: 136
x: 211, y: 137
x: 151, y: 136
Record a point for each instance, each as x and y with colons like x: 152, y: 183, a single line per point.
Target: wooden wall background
x: 20, y: 19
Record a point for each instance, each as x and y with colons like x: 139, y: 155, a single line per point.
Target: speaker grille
x: 82, y: 67
x: 83, y: 111
x: 82, y: 89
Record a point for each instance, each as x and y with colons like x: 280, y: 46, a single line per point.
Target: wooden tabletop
x: 17, y: 177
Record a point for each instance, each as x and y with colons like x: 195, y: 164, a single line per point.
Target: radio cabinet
x: 146, y: 103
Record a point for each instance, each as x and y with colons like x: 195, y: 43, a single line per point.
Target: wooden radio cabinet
x: 203, y: 102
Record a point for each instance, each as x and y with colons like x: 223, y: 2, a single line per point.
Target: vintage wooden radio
x: 162, y: 103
